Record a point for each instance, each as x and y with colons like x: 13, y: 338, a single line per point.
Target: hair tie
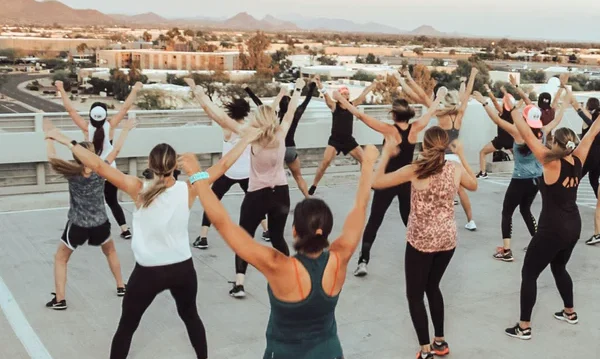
x: 571, y: 145
x: 319, y: 232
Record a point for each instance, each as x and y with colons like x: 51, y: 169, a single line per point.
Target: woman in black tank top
x: 406, y: 135
x: 560, y: 224
x: 450, y: 116
x: 341, y: 139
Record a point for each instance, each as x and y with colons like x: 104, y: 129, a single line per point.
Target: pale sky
x: 560, y: 20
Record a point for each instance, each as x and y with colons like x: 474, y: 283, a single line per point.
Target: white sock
x: 239, y: 279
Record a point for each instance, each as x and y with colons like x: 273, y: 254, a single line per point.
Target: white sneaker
x: 361, y: 270
x: 471, y: 226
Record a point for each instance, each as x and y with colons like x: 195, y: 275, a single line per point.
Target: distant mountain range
x: 50, y: 12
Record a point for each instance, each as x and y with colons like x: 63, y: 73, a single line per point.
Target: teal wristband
x: 198, y: 177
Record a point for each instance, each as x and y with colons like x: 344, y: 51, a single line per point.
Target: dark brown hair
x: 70, y: 168
x: 401, y: 111
x: 162, y: 162
x: 313, y: 222
x: 431, y: 160
x: 560, y: 149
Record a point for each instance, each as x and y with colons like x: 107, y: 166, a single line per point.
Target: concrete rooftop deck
x: 481, y: 295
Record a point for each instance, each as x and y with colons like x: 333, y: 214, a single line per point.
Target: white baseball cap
x: 98, y: 114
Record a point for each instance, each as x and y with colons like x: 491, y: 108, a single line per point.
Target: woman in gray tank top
x: 523, y: 187
x: 450, y: 118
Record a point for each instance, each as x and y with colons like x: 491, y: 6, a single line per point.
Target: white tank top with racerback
x: 107, y: 147
x: 241, y: 168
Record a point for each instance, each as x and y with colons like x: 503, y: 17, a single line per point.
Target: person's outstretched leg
x: 404, y: 202
x: 143, y: 287
x: 563, y: 280
x: 328, y: 156
x: 486, y: 150
x: 110, y: 196
x: 440, y: 263
x: 61, y: 258
x: 220, y: 187
x: 357, y: 153
x: 296, y: 170
x: 525, y: 206
x: 466, y: 204
x: 110, y: 252
x: 184, y: 293
x: 278, y: 214
x: 512, y: 198
x: 417, y: 267
x: 382, y: 199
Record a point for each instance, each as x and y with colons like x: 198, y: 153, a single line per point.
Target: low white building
x: 503, y: 76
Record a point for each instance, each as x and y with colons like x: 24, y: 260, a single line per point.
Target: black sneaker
x: 565, y: 317
x: 440, y: 349
x: 201, y: 243
x: 595, y: 239
x: 237, y: 291
x: 121, y: 291
x: 504, y: 255
x: 456, y: 202
x: 518, y: 332
x: 126, y: 234
x: 53, y: 304
x: 266, y: 236
x: 312, y: 190
x: 482, y: 175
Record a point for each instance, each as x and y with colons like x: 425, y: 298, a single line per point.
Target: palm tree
x: 147, y: 36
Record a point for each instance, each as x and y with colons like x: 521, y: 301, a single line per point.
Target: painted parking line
x: 23, y: 330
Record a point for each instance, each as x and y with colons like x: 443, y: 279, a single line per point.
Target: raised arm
x: 254, y: 98
x: 289, y: 115
x: 127, y: 126
x: 218, y: 169
x: 583, y: 113
x: 464, y: 101
x: 263, y: 258
x: 213, y: 111
x: 556, y: 99
x: 75, y: 116
x: 535, y: 145
x: 363, y: 96
x: 384, y: 180
x: 346, y: 244
x: 423, y: 121
x: 583, y: 149
x: 282, y: 92
x: 493, y: 115
x: 328, y: 101
x: 522, y: 94
x: 381, y: 127
x: 129, y: 184
x: 490, y: 94
x: 311, y: 89
x: 116, y: 119
x: 416, y: 90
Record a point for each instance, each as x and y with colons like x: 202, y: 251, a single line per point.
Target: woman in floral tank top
x: 431, y: 233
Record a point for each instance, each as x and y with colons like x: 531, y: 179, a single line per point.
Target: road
x: 10, y: 89
x: 10, y: 107
x: 500, y: 63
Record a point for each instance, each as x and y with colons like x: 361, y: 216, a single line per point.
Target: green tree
x: 63, y: 76
x: 326, y: 60
x: 464, y: 70
x: 120, y: 83
x: 363, y: 75
x: 533, y: 76
x: 256, y: 58
x: 189, y: 33
x: 147, y: 37
x: 438, y: 62
x: 280, y: 62
x: 371, y: 59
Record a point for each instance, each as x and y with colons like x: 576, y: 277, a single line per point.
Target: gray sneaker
x: 361, y: 270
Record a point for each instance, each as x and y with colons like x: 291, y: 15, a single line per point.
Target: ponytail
x: 70, y: 168
x: 153, y: 190
x: 162, y: 162
x: 98, y: 140
x: 432, y: 158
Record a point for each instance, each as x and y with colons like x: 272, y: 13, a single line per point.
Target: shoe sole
x: 126, y: 238
x: 238, y: 295
x: 120, y: 295
x: 592, y: 243
x: 518, y: 336
x: 564, y: 319
x: 267, y: 239
x: 441, y: 353
x: 471, y: 229
x: 360, y: 274
x: 201, y: 247
x: 504, y: 259
x: 57, y: 308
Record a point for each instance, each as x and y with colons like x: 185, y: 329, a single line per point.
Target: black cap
x: 545, y: 101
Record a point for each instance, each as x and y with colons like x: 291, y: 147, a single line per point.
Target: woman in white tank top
x: 268, y: 192
x: 100, y: 131
x: 238, y: 111
x: 161, y: 245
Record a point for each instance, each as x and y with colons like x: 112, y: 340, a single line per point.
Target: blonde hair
x: 432, y: 159
x: 565, y: 141
x: 70, y: 168
x: 162, y: 162
x: 450, y: 104
x: 265, y: 118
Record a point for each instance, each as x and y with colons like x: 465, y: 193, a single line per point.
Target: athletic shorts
x: 452, y: 157
x: 75, y: 236
x: 290, y: 154
x: 344, y: 146
x: 500, y: 144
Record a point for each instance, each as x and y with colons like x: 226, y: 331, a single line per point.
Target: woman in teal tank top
x: 523, y: 187
x: 303, y: 289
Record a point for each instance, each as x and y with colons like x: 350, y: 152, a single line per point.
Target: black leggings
x: 546, y: 248
x: 592, y: 167
x: 110, y: 196
x: 144, y: 285
x: 274, y: 202
x: 424, y: 272
x: 521, y: 193
x: 382, y: 199
x: 220, y: 188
